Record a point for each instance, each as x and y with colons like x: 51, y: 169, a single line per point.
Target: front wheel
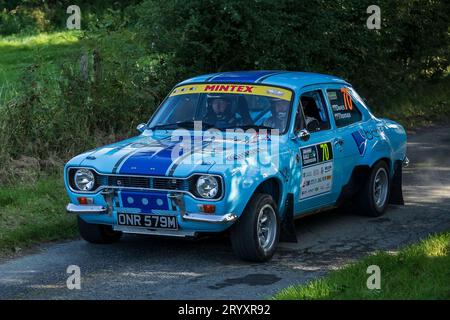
x: 255, y: 235
x: 97, y: 233
x: 373, y: 198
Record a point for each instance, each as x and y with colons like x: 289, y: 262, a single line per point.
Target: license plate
x: 147, y: 221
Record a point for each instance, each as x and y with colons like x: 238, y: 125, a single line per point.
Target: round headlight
x: 84, y: 179
x: 207, y: 186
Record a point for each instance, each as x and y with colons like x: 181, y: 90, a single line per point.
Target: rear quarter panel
x: 385, y: 139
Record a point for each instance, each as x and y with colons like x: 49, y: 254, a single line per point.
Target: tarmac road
x: 155, y: 268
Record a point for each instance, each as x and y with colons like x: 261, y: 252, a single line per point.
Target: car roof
x: 290, y: 79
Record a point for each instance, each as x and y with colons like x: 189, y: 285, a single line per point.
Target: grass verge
x: 33, y: 213
x: 19, y: 51
x: 420, y: 271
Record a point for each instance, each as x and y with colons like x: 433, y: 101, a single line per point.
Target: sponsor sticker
x: 317, y: 171
x: 229, y: 88
x: 332, y: 95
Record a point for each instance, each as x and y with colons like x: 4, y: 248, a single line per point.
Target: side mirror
x: 141, y: 127
x: 303, y: 135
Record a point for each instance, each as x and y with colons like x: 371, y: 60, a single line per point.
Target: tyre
x: 97, y: 233
x: 254, y: 237
x: 373, y: 199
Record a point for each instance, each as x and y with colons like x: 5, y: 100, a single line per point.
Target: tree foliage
x: 317, y: 35
x: 136, y: 53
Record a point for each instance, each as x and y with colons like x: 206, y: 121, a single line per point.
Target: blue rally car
x: 240, y: 152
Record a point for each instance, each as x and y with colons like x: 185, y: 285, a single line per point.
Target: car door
x: 347, y: 120
x: 320, y: 156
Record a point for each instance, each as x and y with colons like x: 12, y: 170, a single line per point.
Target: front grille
x: 142, y: 182
x: 170, y: 184
x: 128, y: 182
x: 145, y: 182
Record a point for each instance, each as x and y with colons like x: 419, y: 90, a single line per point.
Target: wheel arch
x: 359, y: 174
x: 274, y: 187
x: 388, y: 162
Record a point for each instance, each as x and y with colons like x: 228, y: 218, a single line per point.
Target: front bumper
x: 177, y: 201
x: 86, y: 209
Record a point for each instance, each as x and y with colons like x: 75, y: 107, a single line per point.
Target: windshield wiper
x: 180, y: 124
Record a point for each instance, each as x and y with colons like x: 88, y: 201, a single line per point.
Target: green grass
x: 34, y: 213
x: 18, y: 52
x: 420, y: 271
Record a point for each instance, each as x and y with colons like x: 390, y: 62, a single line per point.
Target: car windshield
x: 225, y: 106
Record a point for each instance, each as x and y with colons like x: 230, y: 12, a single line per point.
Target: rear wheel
x: 255, y: 235
x: 97, y: 233
x: 373, y: 198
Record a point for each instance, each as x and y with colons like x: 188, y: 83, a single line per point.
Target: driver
x: 308, y: 110
x: 219, y: 112
x: 280, y: 111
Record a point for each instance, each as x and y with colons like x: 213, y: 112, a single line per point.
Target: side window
x: 314, y: 111
x: 344, y: 107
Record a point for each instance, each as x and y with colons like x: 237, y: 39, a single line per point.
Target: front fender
x: 241, y: 183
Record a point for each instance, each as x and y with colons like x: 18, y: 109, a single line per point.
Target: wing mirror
x: 303, y: 135
x: 141, y: 127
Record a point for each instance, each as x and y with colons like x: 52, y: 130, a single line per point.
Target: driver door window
x: 313, y: 115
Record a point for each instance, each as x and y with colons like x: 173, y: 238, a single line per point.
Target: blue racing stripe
x: 269, y: 75
x: 148, y: 163
x: 214, y: 75
x: 241, y: 77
